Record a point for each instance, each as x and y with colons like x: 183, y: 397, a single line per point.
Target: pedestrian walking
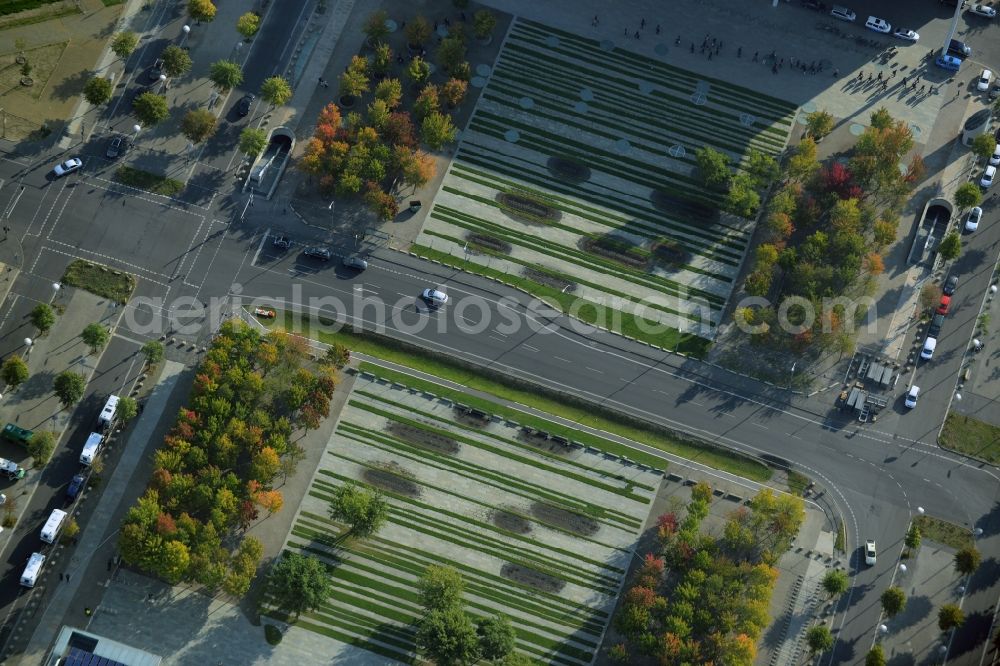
x: 836, y: 73
x: 626, y: 32
x: 755, y: 53
x: 709, y: 55
x: 323, y: 82
x: 880, y: 76
x: 692, y: 47
x: 657, y: 28
x: 677, y: 42
x: 637, y: 34
x: 904, y: 81
x: 739, y: 52
x: 893, y: 75
x: 642, y: 24
x: 60, y: 577
x: 861, y: 75
x: 704, y: 42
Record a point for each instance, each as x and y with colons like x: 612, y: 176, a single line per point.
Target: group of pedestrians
x: 880, y: 81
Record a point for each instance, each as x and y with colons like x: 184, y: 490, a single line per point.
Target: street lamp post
x: 186, y: 30
x: 136, y: 128
x: 28, y: 342
x: 163, y: 82
x: 55, y: 290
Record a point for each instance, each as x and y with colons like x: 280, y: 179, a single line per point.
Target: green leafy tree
x: 819, y: 124
x: 252, y: 141
x: 176, y: 61
x: 364, y: 510
x: 893, y: 601
x: 451, y: 52
x: 198, y: 124
x: 913, y: 535
x: 950, y: 616
x: 881, y: 118
x: 153, y: 351
x: 375, y: 27
x: 713, y: 167
x: 276, y: 91
x: 483, y: 23
x: 201, y: 10
x: 875, y: 657
x: 427, y: 102
x: 440, y: 587
x: 248, y: 24
x: 967, y: 195
x: 819, y: 639
x: 128, y: 408
x: 354, y: 80
x: 337, y: 355
x: 983, y: 146
x: 299, y: 583
x: 95, y: 336
x: 151, y: 109
x: 496, y: 637
x: 225, y: 75
x: 835, y: 582
x: 761, y: 167
x: 69, y: 387
x: 950, y: 247
x: 98, y: 90
x: 14, y: 371
x: 742, y: 199
x: 381, y: 202
x: 124, y: 43
x: 418, y: 71
x: 389, y: 91
x: 417, y: 32
x: 42, y: 317
x: 381, y: 60
x: 967, y: 560
x: 437, y: 130
x: 448, y: 637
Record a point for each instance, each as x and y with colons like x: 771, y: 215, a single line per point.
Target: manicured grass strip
x: 150, y: 182
x: 99, y: 279
x: 942, y: 531
x: 972, y: 437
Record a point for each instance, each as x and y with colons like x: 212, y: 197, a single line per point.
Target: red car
x: 942, y: 309
x: 266, y: 313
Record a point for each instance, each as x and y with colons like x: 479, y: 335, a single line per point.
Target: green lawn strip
x: 375, y: 581
x: 971, y: 437
x: 533, y: 454
x: 484, y: 544
x: 568, y: 407
x: 527, y: 448
x: 99, y: 279
x: 343, y: 637
x: 446, y: 464
x: 527, y: 73
x: 528, y: 490
x: 646, y: 221
x: 150, y: 182
x: 581, y: 258
x: 617, y: 321
x: 942, y: 531
x: 524, y: 28
x: 797, y: 482
x: 416, y: 560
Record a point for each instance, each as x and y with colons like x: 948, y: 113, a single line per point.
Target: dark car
x: 355, y: 262
x: 934, y: 330
x: 281, y: 241
x: 960, y: 50
x: 813, y: 4
x: 243, y: 106
x: 117, y: 147
x: 949, y: 286
x: 156, y: 70
x: 320, y: 253
x: 74, y: 487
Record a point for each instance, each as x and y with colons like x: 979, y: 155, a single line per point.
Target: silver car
x: 69, y: 166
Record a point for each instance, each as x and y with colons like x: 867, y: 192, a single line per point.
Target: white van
x: 107, y: 416
x: 52, y: 526
x: 31, y: 571
x: 91, y: 448
x: 930, y: 344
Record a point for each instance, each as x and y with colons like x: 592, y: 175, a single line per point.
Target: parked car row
x: 875, y: 23
x: 356, y: 262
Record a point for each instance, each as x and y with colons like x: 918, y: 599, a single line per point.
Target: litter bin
x: 415, y: 205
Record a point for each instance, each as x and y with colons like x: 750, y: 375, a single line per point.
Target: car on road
x: 842, y: 13
x: 983, y: 10
x: 961, y: 50
x: 949, y: 62
x: 320, y: 253
x: 877, y: 24
x: 243, y: 106
x: 870, y: 552
x: 281, y: 241
x: 927, y: 353
x: 995, y: 157
x: 984, y: 80
x: 988, y: 175
x: 972, y: 221
x: 906, y: 34
x: 15, y: 433
x: 69, y: 166
x: 116, y: 147
x: 11, y: 469
x: 944, y: 305
x: 266, y: 313
x: 911, y: 397
x: 355, y: 262
x: 156, y: 70
x: 994, y: 92
x: 74, y: 487
x: 434, y: 297
x: 950, y: 285
x: 812, y: 4
x: 934, y: 330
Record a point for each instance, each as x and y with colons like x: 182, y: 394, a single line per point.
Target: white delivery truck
x: 52, y: 526
x: 107, y: 416
x: 91, y: 448
x: 31, y: 571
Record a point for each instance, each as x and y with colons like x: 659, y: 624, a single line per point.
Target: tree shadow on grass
x: 71, y: 86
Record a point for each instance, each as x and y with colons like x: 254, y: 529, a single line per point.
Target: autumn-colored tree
x: 453, y: 92
x: 399, y: 130
x: 375, y: 25
x: 418, y: 71
x: 382, y: 203
x: 381, y: 60
x: 874, y: 264
x: 415, y: 169
x: 270, y: 500
x: 389, y: 91
x: 819, y: 123
x: 803, y: 161
x: 202, y: 11
x: 427, y: 102
x: 417, y: 32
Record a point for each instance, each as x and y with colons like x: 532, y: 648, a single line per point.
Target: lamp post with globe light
x: 186, y: 30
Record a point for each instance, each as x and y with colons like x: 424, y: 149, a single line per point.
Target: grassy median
x: 99, y: 279
x: 971, y: 437
x: 150, y: 182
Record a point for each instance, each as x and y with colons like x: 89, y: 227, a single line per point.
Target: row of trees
x: 216, y: 467
x: 705, y: 600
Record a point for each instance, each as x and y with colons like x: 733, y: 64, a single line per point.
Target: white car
x: 972, y: 222
x: 984, y: 80
x: 987, y: 179
x: 907, y: 35
x: 911, y: 397
x: 995, y: 157
x: 984, y: 11
x: 877, y: 24
x: 870, y: 552
x: 434, y: 297
x: 930, y: 344
x: 69, y: 166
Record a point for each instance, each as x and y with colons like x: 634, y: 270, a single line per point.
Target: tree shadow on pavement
x: 974, y: 632
x: 987, y: 575
x: 990, y: 523
x: 917, y: 608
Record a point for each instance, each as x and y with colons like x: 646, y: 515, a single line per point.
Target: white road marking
x: 560, y: 358
x: 600, y: 372
x: 260, y: 247
x: 528, y: 347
